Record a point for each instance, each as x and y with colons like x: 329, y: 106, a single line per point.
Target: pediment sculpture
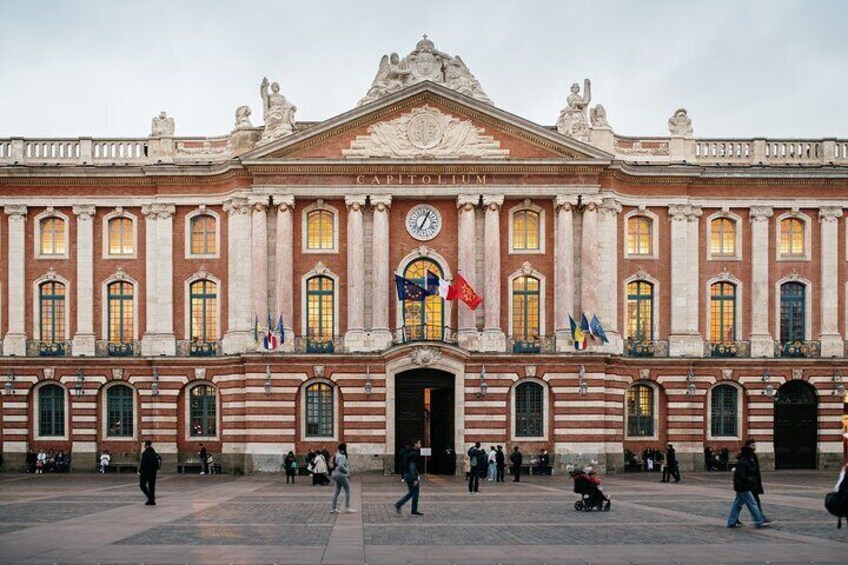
x: 425, y: 132
x: 573, y: 121
x: 425, y: 62
x: 277, y: 111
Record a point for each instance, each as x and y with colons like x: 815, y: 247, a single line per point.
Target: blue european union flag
x: 408, y: 290
x: 598, y: 329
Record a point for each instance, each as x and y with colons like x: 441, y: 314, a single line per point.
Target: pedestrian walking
x: 319, y: 470
x: 409, y: 468
x: 105, y: 458
x: 341, y: 476
x: 290, y: 466
x: 493, y: 464
x: 743, y: 484
x: 758, y: 478
x: 479, y: 460
x: 203, y: 455
x: 516, y: 459
x: 150, y: 464
x: 500, y: 462
x: 671, y: 468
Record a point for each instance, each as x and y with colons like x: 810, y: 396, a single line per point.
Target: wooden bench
x: 194, y: 467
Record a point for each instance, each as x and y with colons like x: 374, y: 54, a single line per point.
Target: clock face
x: 423, y: 222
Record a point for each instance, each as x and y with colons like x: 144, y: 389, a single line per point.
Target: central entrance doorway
x: 795, y: 426
x: 424, y: 409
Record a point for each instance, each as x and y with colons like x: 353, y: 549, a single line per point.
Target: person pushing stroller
x: 587, y: 484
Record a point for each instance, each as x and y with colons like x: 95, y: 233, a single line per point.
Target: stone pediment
x: 425, y: 121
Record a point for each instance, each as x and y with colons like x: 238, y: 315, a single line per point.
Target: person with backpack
x: 147, y: 469
x: 479, y: 461
x: 516, y: 459
x: 744, y: 482
x: 836, y: 502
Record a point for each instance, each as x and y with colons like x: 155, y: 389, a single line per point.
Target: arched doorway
x: 795, y: 426
x: 424, y: 409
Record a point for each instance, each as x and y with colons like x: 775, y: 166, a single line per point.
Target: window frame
x: 434, y: 331
x: 119, y: 213
x: 47, y: 214
x: 304, y: 427
x: 739, y: 406
x: 806, y: 231
x: 655, y: 405
x: 202, y: 211
x: 526, y: 206
x: 188, y: 415
x: 199, y: 277
x: 106, y: 412
x: 304, y: 220
x: 322, y: 271
x: 51, y: 277
x: 539, y: 293
x: 654, y: 305
x: 642, y: 212
x: 807, y: 302
x: 514, y: 410
x: 737, y: 221
x: 737, y: 310
x: 37, y: 411
x: 106, y: 306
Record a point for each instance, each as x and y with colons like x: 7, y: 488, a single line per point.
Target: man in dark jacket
x: 516, y: 459
x: 500, y: 462
x: 744, y: 478
x: 758, y: 478
x: 409, y: 468
x: 671, y: 469
x: 204, y: 459
x: 544, y: 466
x: 147, y: 469
x: 479, y: 461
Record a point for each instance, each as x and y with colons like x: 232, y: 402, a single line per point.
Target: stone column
x: 762, y: 342
x: 14, y: 342
x: 239, y: 336
x: 467, y: 334
x: 493, y: 334
x: 84, y: 338
x: 355, y: 334
x: 831, y: 339
x: 381, y: 333
x: 563, y: 278
x: 159, y: 337
x: 259, y: 259
x: 284, y: 256
x: 589, y: 258
x: 608, y: 286
x: 684, y: 339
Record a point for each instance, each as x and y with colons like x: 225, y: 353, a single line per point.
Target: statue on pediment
x: 680, y: 124
x: 572, y: 120
x: 598, y: 117
x: 162, y: 126
x: 243, y: 117
x: 277, y: 111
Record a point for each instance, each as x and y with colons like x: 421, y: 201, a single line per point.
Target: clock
x: 423, y: 222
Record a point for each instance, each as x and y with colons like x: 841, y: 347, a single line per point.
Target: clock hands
x: 420, y: 223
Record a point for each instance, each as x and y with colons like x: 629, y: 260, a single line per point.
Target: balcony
x: 198, y: 348
x: 424, y: 332
x: 104, y: 348
x: 645, y: 348
x: 727, y: 349
x: 318, y: 344
x: 797, y: 348
x: 532, y: 344
x: 36, y: 348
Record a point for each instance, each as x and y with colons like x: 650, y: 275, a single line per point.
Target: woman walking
x: 290, y: 466
x: 341, y: 475
x: 319, y: 470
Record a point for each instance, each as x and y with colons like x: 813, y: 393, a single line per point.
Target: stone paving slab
x: 253, y: 534
x: 51, y: 511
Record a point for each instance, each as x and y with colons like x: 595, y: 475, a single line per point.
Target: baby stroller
x: 592, y: 498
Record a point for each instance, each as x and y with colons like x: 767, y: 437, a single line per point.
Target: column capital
x: 829, y: 213
x: 381, y: 202
x: 493, y: 202
x: 355, y: 202
x: 159, y: 210
x: 467, y: 202
x: 684, y: 212
x: 284, y: 202
x: 16, y: 211
x: 259, y: 202
x: 85, y: 211
x: 761, y: 213
x: 565, y: 202
x: 610, y: 205
x: 237, y: 205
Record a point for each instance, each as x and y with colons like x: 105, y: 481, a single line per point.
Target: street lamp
x: 838, y: 385
x: 9, y: 387
x: 268, y: 380
x: 79, y: 387
x: 691, y: 389
x: 582, y: 387
x: 369, y: 387
x: 768, y: 389
x: 154, y: 387
x: 484, y: 386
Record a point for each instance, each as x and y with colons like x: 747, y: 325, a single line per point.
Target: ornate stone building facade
x: 133, y: 273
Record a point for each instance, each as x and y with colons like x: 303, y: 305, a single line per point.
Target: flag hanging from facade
x: 597, y: 329
x: 577, y: 335
x: 584, y: 326
x: 256, y: 327
x: 461, y: 290
x: 437, y: 285
x: 281, y: 330
x: 270, y: 341
x: 408, y: 290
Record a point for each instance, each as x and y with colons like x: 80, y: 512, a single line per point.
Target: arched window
x: 319, y: 230
x: 120, y: 304
x: 525, y: 230
x: 723, y: 237
x: 121, y: 236
x: 640, y: 310
x: 51, y: 302
x: 320, y: 304
x: 529, y: 410
x: 640, y: 411
x: 119, y: 411
x: 525, y: 308
x: 724, y: 411
x: 203, y: 411
x: 723, y: 312
x: 793, y: 304
x: 639, y: 235
x: 423, y: 320
x: 51, y: 411
x: 204, y: 235
x: 52, y: 236
x: 203, y: 295
x: 792, y: 237
x: 319, y: 410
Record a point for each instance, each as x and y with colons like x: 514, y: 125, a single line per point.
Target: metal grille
x: 529, y: 411
x: 51, y: 408
x: 319, y: 410
x: 724, y: 411
x: 119, y: 411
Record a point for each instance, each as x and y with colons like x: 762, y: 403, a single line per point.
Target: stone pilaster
x: 762, y: 342
x: 467, y: 334
x: 608, y: 287
x: 563, y: 270
x: 831, y: 339
x: 259, y: 257
x: 84, y: 338
x: 14, y: 342
x: 355, y: 334
x: 589, y: 258
x: 684, y: 339
x: 284, y: 256
x: 158, y: 338
x: 381, y: 334
x: 493, y: 338
x: 239, y: 336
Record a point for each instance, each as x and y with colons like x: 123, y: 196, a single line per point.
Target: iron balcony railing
x: 797, y: 348
x: 37, y: 348
x: 104, y: 348
x: 424, y: 332
x: 532, y: 344
x: 198, y: 348
x: 645, y: 347
x: 318, y: 344
x: 727, y: 348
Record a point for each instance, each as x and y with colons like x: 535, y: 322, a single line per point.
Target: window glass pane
x: 723, y: 237
x: 639, y: 240
x: 204, y: 311
x: 427, y: 321
x: 792, y: 312
x: 724, y: 411
x: 529, y: 410
x: 203, y: 411
x: 319, y: 410
x: 722, y: 312
x: 52, y: 311
x: 319, y: 229
x: 51, y: 411
x: 319, y: 307
x: 120, y: 236
x: 203, y: 235
x: 791, y: 237
x: 640, y: 411
x: 120, y: 312
x: 525, y: 308
x: 119, y: 411
x: 525, y: 230
x: 53, y: 236
x: 640, y: 310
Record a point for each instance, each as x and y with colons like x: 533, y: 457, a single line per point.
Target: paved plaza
x: 259, y: 519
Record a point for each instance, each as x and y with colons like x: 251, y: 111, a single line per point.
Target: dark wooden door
x: 411, y: 419
x: 441, y: 431
x: 795, y: 426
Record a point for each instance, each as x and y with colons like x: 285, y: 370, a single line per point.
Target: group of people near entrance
x: 491, y: 465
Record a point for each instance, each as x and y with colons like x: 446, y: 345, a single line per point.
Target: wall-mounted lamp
x: 268, y: 380
x: 9, y: 386
x: 582, y: 387
x: 79, y: 386
x: 768, y: 389
x: 838, y: 384
x: 154, y: 387
x: 369, y: 387
x: 691, y: 389
x: 484, y: 386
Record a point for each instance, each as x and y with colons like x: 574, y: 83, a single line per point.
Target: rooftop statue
x: 572, y: 120
x: 680, y: 124
x: 277, y: 111
x: 425, y: 62
x: 598, y: 117
x: 162, y: 126
x: 243, y: 117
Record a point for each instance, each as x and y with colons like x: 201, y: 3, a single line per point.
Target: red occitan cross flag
x: 461, y: 290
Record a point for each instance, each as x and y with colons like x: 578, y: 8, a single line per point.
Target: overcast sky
x: 742, y: 69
